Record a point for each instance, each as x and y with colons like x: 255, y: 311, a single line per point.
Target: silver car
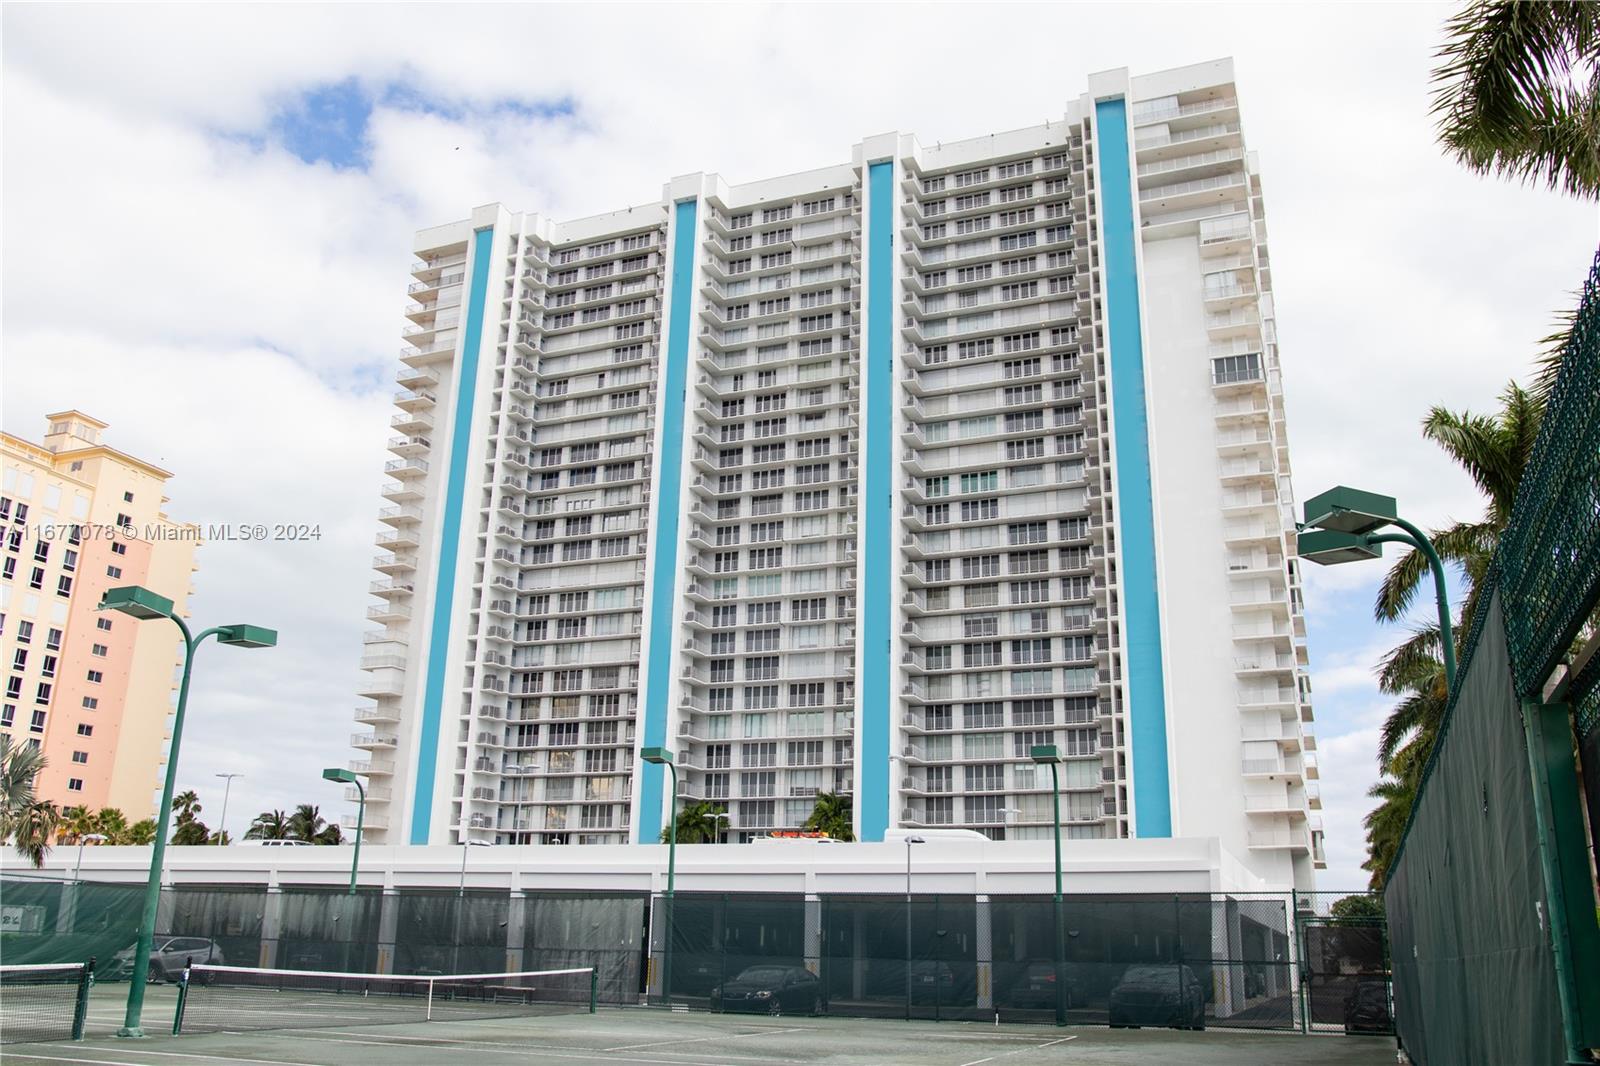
x: 168, y: 956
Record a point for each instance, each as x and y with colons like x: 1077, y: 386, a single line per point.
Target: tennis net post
x: 80, y: 1008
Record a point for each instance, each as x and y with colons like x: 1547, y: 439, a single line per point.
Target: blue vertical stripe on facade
x: 1141, y: 603
x: 665, y: 537
x: 450, y: 540
x: 876, y: 701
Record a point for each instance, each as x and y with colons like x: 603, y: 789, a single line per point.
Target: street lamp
x: 1049, y: 754
x: 138, y: 602
x: 910, y: 841
x: 96, y: 838
x: 663, y: 757
x: 1342, y: 526
x: 227, y: 786
x: 461, y: 899
x: 349, y: 777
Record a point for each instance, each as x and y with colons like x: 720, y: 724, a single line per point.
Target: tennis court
x: 638, y: 1036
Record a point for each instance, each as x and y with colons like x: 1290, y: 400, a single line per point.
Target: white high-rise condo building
x: 864, y: 480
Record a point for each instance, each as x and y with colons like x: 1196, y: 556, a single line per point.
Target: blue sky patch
x: 328, y: 123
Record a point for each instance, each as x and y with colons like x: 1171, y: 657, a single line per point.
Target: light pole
x: 910, y: 841
x: 663, y: 757
x: 96, y: 838
x: 227, y: 786
x: 141, y: 603
x: 461, y: 899
x: 1050, y: 755
x: 1341, y: 527
x: 349, y: 777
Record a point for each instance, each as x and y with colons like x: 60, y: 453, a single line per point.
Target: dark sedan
x: 770, y: 990
x: 1036, y: 989
x: 1366, y: 1010
x: 1158, y: 995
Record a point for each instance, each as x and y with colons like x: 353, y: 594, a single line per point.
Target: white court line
x: 703, y: 1039
x: 1020, y: 1050
x: 587, y: 1054
x: 493, y: 1046
x: 183, y: 1055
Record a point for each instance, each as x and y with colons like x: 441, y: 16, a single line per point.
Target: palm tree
x: 190, y: 830
x: 1518, y: 92
x: 112, y: 824
x: 268, y: 825
x: 140, y: 832
x: 698, y: 823
x: 27, y: 821
x: 76, y: 823
x: 834, y: 814
x: 307, y: 823
x: 1494, y: 450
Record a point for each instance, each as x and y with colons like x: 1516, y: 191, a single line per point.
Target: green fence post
x: 594, y: 987
x: 1563, y: 857
x: 80, y: 1010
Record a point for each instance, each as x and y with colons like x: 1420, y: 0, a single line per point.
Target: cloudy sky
x: 208, y: 213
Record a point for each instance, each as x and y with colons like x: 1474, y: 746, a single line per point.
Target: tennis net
x: 232, y: 998
x: 43, y: 1002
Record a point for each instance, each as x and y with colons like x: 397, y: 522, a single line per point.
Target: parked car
x: 1158, y: 995
x: 932, y: 981
x: 1366, y: 1010
x: 771, y: 990
x: 1036, y: 988
x: 168, y: 956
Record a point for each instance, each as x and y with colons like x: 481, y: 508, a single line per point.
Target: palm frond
x: 1515, y: 92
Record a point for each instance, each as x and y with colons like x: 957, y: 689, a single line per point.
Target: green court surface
x: 639, y: 1036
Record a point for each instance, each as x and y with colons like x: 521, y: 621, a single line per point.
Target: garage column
x: 985, y: 956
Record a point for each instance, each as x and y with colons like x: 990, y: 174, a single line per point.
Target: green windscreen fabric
x: 57, y: 922
x: 1474, y: 979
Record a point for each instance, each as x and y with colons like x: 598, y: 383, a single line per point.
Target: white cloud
x: 157, y: 262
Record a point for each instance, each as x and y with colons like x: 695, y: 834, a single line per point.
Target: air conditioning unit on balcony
x: 908, y: 782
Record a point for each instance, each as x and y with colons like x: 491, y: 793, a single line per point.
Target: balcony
x: 410, y: 447
x: 406, y: 469
x: 383, y: 684
x: 388, y: 612
x: 372, y: 821
x: 400, y: 538
x: 373, y: 767
x: 411, y: 422
x: 408, y: 400
x: 373, y: 741
x: 379, y: 713
x: 400, y: 516
x: 1279, y: 840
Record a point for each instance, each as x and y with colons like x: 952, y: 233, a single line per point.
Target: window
x: 91, y: 703
x: 74, y: 784
x: 80, y: 757
x: 95, y: 676
x: 36, y: 723
x: 84, y: 728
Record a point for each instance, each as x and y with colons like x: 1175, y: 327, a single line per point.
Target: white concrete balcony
x: 373, y: 741
x: 388, y: 612
x: 373, y: 767
x: 382, y: 684
x: 412, y: 422
x: 381, y: 713
x: 408, y: 400
x: 405, y: 537
x: 406, y: 469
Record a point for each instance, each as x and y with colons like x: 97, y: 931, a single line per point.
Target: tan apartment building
x: 94, y: 691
